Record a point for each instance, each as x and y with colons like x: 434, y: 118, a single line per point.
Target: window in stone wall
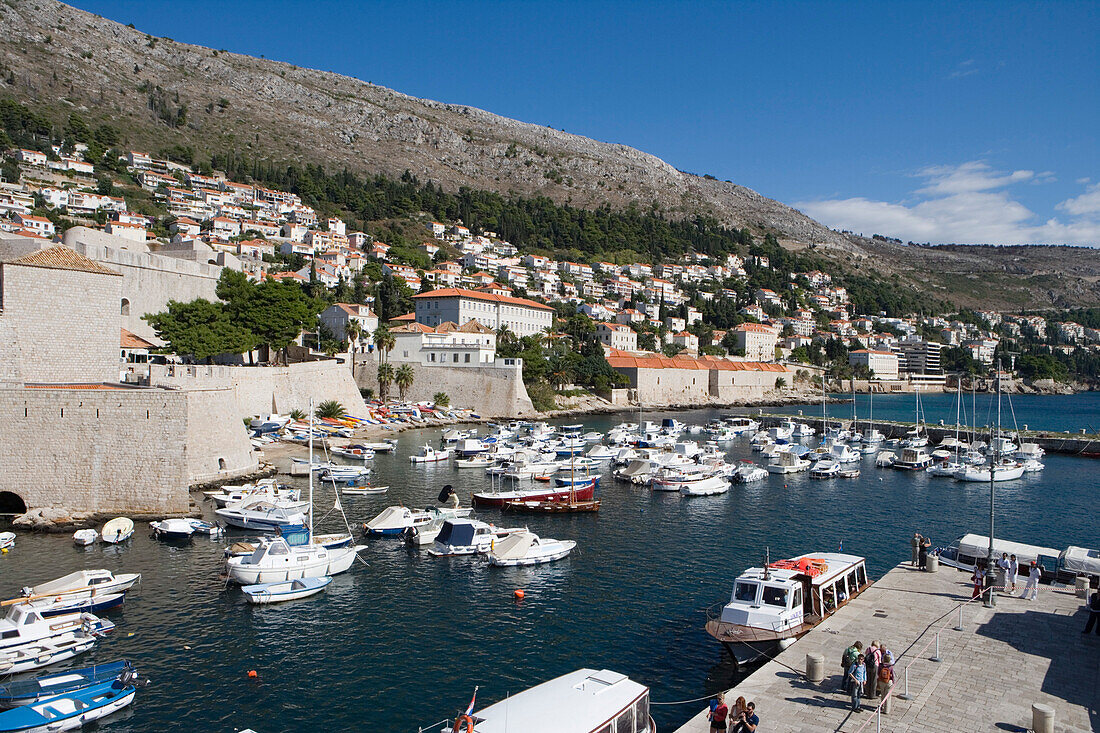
x: 125, y: 306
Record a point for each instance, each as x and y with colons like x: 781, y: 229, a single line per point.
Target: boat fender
x: 463, y: 720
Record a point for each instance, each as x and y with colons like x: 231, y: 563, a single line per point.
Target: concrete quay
x: 1004, y: 660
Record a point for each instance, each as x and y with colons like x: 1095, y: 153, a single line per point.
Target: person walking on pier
x: 1094, y: 613
x: 846, y: 661
x: 872, y: 660
x: 1013, y: 573
x: 857, y: 676
x: 1031, y: 590
x: 718, y: 713
x: 915, y: 543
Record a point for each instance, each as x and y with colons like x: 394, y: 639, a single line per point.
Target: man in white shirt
x: 1031, y: 590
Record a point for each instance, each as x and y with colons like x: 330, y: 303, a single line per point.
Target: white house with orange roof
x: 688, y: 340
x: 31, y: 157
x: 756, y: 340
x: 338, y: 315
x: 224, y: 227
x: 40, y: 225
x: 127, y: 230
x: 617, y: 336
x: 447, y: 345
x: 521, y: 316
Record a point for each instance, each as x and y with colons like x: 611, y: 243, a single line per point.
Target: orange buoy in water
x: 518, y: 594
x: 253, y: 674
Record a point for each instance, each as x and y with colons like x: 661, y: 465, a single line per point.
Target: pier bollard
x: 933, y: 563
x: 815, y: 668
x: 999, y: 579
x: 1042, y: 718
x: 1081, y: 586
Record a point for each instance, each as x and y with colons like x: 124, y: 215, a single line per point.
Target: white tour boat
x: 772, y: 606
x: 964, y: 552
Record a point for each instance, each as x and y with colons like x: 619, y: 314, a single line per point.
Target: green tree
x: 273, y: 311
x: 441, y: 399
x: 330, y: 409
x: 385, y: 378
x: 199, y: 329
x: 384, y: 341
x: 403, y: 377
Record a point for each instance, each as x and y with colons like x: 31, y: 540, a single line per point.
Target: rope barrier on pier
x: 680, y: 702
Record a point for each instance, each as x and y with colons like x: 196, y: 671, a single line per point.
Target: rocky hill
x: 160, y: 93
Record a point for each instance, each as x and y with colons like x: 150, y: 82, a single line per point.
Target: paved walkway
x: 1004, y: 660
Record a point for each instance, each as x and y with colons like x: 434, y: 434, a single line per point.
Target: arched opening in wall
x: 221, y: 464
x: 125, y: 306
x: 12, y: 503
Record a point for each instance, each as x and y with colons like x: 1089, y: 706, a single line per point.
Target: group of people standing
x: 920, y: 546
x: 867, y: 673
x: 741, y: 718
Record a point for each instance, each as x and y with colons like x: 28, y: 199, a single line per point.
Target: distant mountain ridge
x: 160, y: 93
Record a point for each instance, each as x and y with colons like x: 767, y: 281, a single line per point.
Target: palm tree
x: 385, y: 377
x: 385, y: 341
x: 297, y: 415
x: 330, y: 409
x: 440, y: 399
x: 403, y: 378
x: 352, y: 332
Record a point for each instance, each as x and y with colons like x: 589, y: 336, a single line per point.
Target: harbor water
x: 400, y: 641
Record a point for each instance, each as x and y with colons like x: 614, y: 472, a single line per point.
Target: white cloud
x: 966, y: 204
x: 965, y: 68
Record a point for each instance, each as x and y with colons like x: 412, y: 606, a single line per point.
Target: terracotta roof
x: 405, y: 318
x: 476, y: 295
x: 413, y: 328
x: 688, y: 362
x: 472, y: 326
x: 62, y: 258
x: 131, y: 340
x: 352, y: 309
x: 757, y: 327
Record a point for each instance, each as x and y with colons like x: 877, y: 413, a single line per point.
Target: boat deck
x: 1004, y: 660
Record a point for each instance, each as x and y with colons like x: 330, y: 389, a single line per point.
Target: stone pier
x: 990, y: 673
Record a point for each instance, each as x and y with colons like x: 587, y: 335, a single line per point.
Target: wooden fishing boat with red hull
x: 584, y: 492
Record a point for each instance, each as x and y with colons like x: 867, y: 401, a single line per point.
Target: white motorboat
x: 741, y: 425
x: 262, y: 516
x: 773, y: 606
x: 913, y: 459
x: 85, y: 537
x: 395, y: 520
x: 600, y: 453
x: 787, y: 462
x: 172, y: 529
x: 479, y: 461
x: 266, y: 489
x: 964, y: 552
x: 709, y: 486
x: 1029, y: 451
x: 885, y: 459
x: 85, y: 584
x: 749, y: 472
x: 211, y: 529
x: 385, y: 446
x: 276, y: 560
x: 827, y: 467
x: 29, y: 640
x: 354, y: 453
x: 117, y: 530
x: 367, y: 490
x: 1004, y: 470
x: 584, y: 700
x: 429, y: 454
x: 783, y: 431
x: 468, y: 537
x: 7, y: 540
x: 873, y: 436
x: 640, y: 470
x: 289, y: 590
x: 945, y: 469
x: 843, y: 453
x: 1032, y: 465
x: 802, y: 430
x: 527, y: 548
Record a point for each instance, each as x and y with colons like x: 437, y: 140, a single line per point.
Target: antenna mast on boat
x: 310, y: 469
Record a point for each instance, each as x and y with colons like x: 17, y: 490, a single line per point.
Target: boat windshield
x: 745, y: 592
x: 774, y: 596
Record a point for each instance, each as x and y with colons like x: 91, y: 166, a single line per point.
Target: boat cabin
x: 464, y: 533
x: 964, y: 552
x: 584, y: 701
x: 790, y: 593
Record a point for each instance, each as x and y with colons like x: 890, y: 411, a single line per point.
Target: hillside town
x: 480, y: 287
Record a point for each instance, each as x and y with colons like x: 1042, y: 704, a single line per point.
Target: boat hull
x: 490, y: 499
x: 528, y: 561
x: 337, y: 561
x: 286, y: 591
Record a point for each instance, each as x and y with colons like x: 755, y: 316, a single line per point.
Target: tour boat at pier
x: 527, y: 548
x: 585, y: 700
x: 964, y: 552
x: 772, y: 606
x: 583, y: 492
x: 913, y: 459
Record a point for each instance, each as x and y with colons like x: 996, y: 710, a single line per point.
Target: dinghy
x: 177, y: 530
x: 26, y: 692
x: 7, y: 540
x: 70, y: 711
x: 363, y: 490
x: 265, y: 593
x: 117, y: 530
x: 527, y: 548
x: 30, y: 641
x: 85, y: 537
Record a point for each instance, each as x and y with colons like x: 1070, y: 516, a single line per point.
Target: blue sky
x: 942, y: 122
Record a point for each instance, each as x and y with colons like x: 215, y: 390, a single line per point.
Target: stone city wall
x: 491, y: 391
x: 263, y: 390
x: 691, y: 387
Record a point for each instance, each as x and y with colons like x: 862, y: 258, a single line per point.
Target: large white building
x: 617, y: 336
x: 520, y: 316
x: 757, y: 340
x: 883, y: 364
x: 448, y: 344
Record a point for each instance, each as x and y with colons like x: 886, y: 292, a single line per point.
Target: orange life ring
x: 458, y: 724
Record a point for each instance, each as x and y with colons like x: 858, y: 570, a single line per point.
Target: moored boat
x: 395, y: 520
x: 429, y: 454
x: 26, y: 692
x: 583, y: 492
x: 85, y: 583
x: 527, y: 548
x: 468, y: 537
x: 289, y: 590
x: 262, y: 516
x: 71, y: 710
x: 117, y: 530
x: 85, y: 537
x: 774, y: 605
x: 177, y: 530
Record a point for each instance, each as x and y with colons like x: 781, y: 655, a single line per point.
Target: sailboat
x: 999, y: 467
x: 295, y: 552
x: 948, y: 467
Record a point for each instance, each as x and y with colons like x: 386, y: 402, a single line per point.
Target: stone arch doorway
x: 125, y: 306
x: 12, y: 503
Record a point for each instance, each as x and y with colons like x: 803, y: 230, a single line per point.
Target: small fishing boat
x: 827, y: 467
x: 394, y: 520
x: 117, y: 530
x: 27, y: 692
x: 71, y: 710
x: 786, y: 461
x: 945, y: 468
x: 848, y: 473
x: 363, y: 490
x: 885, y: 459
x: 527, y: 548
x: 61, y: 605
x: 552, y: 507
x: 748, y: 472
x: 290, y: 590
x: 429, y: 454
x: 172, y: 530
x: 475, y: 461
x: 211, y: 529
x: 468, y: 537
x: 28, y: 640
x: 581, y: 492
x: 85, y: 537
x: 85, y: 583
x: 261, y: 516
x: 708, y: 486
x: 7, y: 540
x: 600, y: 453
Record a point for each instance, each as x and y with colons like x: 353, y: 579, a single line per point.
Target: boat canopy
x: 391, y: 516
x: 1080, y: 560
x: 637, y: 467
x: 976, y: 545
x: 515, y: 546
x: 458, y: 533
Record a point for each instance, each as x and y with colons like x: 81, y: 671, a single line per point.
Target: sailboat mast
x: 311, y: 469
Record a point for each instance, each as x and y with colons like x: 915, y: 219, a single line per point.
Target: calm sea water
x: 1065, y: 413
x: 402, y: 641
